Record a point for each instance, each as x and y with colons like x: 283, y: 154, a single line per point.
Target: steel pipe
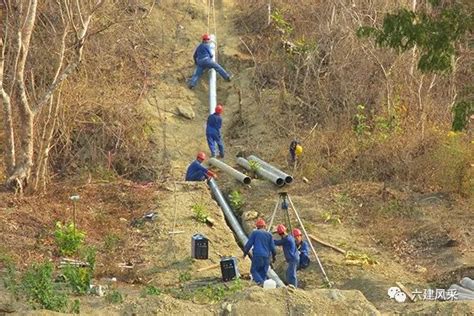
x: 212, y: 77
x: 266, y: 165
x: 230, y: 171
x: 234, y: 224
x: 262, y: 172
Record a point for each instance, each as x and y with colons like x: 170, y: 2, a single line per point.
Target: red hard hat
x: 260, y: 223
x: 297, y: 232
x: 206, y: 37
x: 201, y: 156
x: 219, y: 108
x: 281, y: 229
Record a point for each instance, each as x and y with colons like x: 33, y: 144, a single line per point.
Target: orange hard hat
x: 281, y: 229
x: 219, y: 108
x: 296, y: 232
x: 201, y: 156
x: 260, y: 223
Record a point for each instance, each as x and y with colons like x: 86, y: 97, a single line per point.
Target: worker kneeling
x: 292, y: 256
x: 213, y: 132
x: 262, y: 243
x: 196, y: 172
x: 303, y: 249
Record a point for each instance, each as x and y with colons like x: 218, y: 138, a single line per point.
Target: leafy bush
x: 37, y: 284
x: 151, y: 290
x: 114, y: 297
x: 68, y: 238
x: 184, y: 277
x: 78, y: 278
x: 236, y: 201
x: 216, y: 293
x: 200, y: 213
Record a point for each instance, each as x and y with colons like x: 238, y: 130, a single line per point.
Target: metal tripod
x: 283, y: 203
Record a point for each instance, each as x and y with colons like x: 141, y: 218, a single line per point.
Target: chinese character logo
x: 396, y: 294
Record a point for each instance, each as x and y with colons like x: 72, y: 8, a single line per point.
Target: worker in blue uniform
x: 196, y: 172
x: 203, y: 60
x: 263, y: 247
x: 303, y: 249
x: 292, y: 256
x: 213, y: 132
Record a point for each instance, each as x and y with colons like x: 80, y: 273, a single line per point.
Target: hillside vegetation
x: 387, y: 171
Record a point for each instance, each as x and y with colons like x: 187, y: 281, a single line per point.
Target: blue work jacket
x: 214, y: 124
x: 262, y: 243
x: 202, y: 51
x: 196, y: 172
x: 289, y: 248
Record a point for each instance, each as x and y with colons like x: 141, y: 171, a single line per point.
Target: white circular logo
x: 392, y: 291
x: 400, y: 297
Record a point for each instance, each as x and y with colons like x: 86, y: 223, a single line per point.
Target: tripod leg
x: 273, y: 215
x: 309, y: 241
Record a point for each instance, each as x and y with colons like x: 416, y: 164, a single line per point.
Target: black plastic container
x: 229, y: 268
x: 199, y: 247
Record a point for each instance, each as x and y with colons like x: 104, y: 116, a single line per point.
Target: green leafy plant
x: 37, y: 284
x: 215, y: 293
x: 236, y: 200
x: 462, y: 111
x: 254, y: 166
x: 78, y: 278
x: 68, y: 238
x: 200, y: 213
x: 184, y: 277
x: 114, y: 297
x: 331, y: 218
x: 281, y: 24
x: 151, y: 290
x: 435, y: 32
x: 361, y: 126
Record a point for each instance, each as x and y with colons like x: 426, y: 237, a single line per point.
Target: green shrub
x: 78, y: 278
x: 184, y: 277
x: 216, y: 293
x: 200, y: 213
x: 236, y: 201
x: 114, y: 297
x: 151, y: 290
x: 37, y: 284
x: 68, y: 238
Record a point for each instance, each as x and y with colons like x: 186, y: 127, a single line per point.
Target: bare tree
x: 20, y: 98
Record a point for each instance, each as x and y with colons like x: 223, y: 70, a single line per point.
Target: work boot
x: 221, y: 156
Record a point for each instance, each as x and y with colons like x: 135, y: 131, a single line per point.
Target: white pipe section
x: 234, y: 223
x: 212, y: 77
x: 230, y: 171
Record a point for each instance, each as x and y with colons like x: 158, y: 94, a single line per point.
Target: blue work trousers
x: 259, y: 268
x: 204, y: 64
x: 291, y: 273
x: 212, y: 140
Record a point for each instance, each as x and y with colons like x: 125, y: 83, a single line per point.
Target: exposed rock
x: 186, y: 111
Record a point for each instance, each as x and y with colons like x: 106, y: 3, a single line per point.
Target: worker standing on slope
x: 295, y: 151
x: 203, y: 60
x: 263, y: 247
x: 213, y: 132
x: 196, y: 172
x: 303, y: 249
x: 292, y: 256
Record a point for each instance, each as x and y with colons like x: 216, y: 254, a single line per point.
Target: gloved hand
x: 274, y: 258
x: 211, y: 174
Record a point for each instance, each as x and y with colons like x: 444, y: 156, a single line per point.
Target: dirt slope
x: 162, y: 260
